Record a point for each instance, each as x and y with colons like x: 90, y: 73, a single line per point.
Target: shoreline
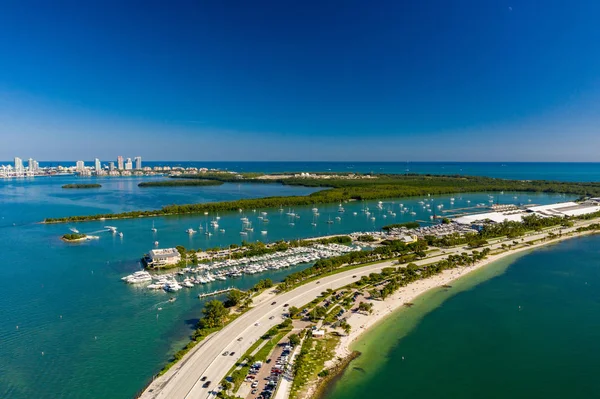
x: 362, y: 323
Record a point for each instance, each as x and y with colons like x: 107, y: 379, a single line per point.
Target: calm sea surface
x: 526, y: 327
x: 71, y: 329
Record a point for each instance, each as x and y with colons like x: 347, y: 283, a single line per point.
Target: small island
x: 82, y: 186
x: 180, y: 182
x: 77, y: 237
x: 74, y: 237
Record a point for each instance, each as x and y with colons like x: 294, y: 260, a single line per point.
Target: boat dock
x: 217, y: 292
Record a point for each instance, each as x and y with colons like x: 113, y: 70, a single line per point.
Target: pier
x: 217, y: 292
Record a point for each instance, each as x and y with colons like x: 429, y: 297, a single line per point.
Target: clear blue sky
x: 473, y: 80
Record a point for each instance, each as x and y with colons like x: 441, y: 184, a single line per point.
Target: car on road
x: 203, y: 378
x: 274, y: 303
x: 354, y: 276
x: 225, y: 353
x: 286, y: 305
x: 318, y: 282
x: 268, y: 361
x: 240, y: 338
x: 256, y: 324
x: 271, y: 318
x: 232, y: 353
x: 206, y: 384
x: 254, y: 391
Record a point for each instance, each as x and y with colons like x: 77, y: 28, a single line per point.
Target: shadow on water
x: 193, y: 323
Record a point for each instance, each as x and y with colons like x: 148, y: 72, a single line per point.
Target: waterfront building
x: 33, y: 166
x: 18, y: 166
x: 120, y: 162
x: 97, y: 165
x: 128, y: 164
x: 163, y: 257
x: 138, y: 163
x: 79, y: 166
x: 111, y: 166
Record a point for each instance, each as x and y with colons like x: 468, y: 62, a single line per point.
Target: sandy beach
x: 361, y: 322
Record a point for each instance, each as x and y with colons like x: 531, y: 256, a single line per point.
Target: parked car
x: 232, y: 353
x: 273, y: 303
x: 225, y: 353
x: 206, y: 384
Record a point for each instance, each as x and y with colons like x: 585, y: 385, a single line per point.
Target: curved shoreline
x: 362, y: 323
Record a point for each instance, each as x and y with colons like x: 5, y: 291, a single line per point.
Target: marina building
x: 163, y: 257
x: 138, y: 163
x: 111, y: 166
x: 97, y: 165
x: 128, y: 164
x: 120, y: 162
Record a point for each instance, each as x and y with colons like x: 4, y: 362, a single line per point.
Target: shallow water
x: 522, y: 327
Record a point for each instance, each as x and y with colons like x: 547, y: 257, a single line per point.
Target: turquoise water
x: 524, y: 328
x: 71, y: 329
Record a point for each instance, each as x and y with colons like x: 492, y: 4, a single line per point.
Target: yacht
x: 243, y: 233
x: 156, y: 243
x: 264, y: 232
x: 154, y: 230
x: 329, y: 221
x: 190, y: 231
x: 74, y: 230
x: 338, y: 218
x: 138, y: 277
x: 315, y: 210
x: 355, y: 213
x: 121, y: 235
x: 111, y: 228
x: 172, y: 286
x: 222, y: 230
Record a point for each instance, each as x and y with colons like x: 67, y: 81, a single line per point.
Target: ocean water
x: 526, y: 327
x: 574, y: 171
x: 71, y: 329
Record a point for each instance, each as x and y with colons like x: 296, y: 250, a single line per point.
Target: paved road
x: 184, y: 379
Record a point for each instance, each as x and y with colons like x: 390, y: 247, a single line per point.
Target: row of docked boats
x: 231, y: 268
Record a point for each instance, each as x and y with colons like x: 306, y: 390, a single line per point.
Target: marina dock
x: 217, y: 292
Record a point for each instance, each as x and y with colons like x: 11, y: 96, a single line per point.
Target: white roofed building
x: 163, y: 257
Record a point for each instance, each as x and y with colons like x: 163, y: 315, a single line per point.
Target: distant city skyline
x: 309, y: 81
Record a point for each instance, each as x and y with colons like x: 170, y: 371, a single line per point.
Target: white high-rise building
x: 120, y: 162
x: 33, y: 165
x: 97, y: 165
x: 138, y: 163
x: 18, y: 166
x: 111, y: 166
x: 80, y: 166
x: 128, y: 164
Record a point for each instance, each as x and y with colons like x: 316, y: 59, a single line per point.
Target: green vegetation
x: 82, y: 186
x: 73, y: 237
x: 215, y: 314
x: 310, y: 362
x: 343, y: 189
x: 323, y: 266
x: 366, y: 238
x: 408, y: 225
x: 176, y: 183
